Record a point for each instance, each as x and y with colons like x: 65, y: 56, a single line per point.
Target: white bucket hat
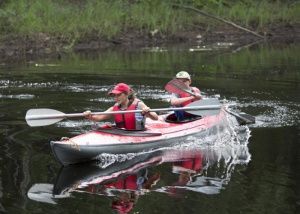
x: 183, y: 75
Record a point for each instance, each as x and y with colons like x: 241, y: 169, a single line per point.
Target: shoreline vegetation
x: 43, y: 27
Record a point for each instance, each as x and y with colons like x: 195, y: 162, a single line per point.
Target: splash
x: 227, y: 137
x: 274, y: 114
x: 104, y: 160
x: 268, y: 113
x: 221, y: 155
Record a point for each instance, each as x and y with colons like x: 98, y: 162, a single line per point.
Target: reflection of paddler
x: 124, y: 202
x: 186, y: 168
x: 192, y: 165
x: 134, y: 182
x: 126, y: 189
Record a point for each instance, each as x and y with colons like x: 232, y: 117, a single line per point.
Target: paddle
x: 242, y: 117
x: 176, y: 86
x: 44, y: 117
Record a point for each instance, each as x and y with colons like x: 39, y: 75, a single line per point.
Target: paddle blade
x: 213, y: 107
x: 246, y: 118
x: 43, y: 117
x: 242, y: 118
x: 176, y: 86
x: 41, y: 193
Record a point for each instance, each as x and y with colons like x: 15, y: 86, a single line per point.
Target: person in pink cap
x: 125, y: 101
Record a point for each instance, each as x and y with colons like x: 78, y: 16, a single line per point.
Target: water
x: 251, y: 169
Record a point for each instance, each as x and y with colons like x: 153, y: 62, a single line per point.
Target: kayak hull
x: 91, y: 145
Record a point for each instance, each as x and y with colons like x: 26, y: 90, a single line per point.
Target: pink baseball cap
x: 120, y: 88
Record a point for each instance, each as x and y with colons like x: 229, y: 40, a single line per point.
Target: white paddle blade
x: 213, y: 107
x: 41, y: 193
x: 44, y: 122
x: 43, y: 117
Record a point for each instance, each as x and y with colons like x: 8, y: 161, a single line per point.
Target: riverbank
x: 42, y: 45
x: 31, y: 29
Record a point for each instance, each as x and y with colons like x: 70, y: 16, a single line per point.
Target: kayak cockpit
x: 133, y: 133
x: 171, y: 118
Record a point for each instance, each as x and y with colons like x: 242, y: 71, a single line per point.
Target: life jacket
x: 180, y: 114
x: 185, y: 94
x: 129, y: 121
x: 129, y: 183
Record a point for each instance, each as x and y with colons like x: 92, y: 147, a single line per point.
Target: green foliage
x: 162, y: 18
x: 262, y: 13
x: 76, y: 19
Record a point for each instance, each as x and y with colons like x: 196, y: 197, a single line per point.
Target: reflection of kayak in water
x: 200, y: 170
x: 89, y: 146
x: 75, y: 177
x: 80, y: 175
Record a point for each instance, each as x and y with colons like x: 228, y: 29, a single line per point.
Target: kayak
x: 164, y: 132
x: 110, y: 140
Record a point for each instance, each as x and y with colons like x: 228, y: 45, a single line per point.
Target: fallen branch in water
x: 219, y: 19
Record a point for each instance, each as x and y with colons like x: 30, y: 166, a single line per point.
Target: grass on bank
x: 102, y: 18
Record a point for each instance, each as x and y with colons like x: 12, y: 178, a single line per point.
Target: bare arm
x: 146, y: 109
x: 90, y: 116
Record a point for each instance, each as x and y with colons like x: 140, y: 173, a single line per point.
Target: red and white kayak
x: 160, y: 133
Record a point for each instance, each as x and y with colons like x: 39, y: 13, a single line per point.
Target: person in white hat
x: 184, y: 98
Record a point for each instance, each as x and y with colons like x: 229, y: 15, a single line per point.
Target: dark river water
x: 257, y: 174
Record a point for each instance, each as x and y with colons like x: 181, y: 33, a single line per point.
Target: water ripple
x: 21, y: 84
x: 274, y: 113
x: 18, y: 96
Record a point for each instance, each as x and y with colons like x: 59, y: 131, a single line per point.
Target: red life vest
x: 129, y: 183
x: 130, y: 121
x: 194, y: 164
x: 185, y: 94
